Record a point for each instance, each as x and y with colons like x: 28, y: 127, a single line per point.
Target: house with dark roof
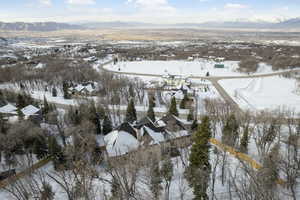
x: 149, y: 133
x: 126, y: 127
x: 172, y: 123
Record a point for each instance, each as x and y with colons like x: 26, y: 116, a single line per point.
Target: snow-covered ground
x: 264, y: 93
x: 199, y: 67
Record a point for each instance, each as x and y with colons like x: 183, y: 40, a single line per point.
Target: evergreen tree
x: 92, y: 113
x: 190, y: 116
x: 230, y: 131
x: 66, y: 90
x: 4, y: 126
x: 156, y: 179
x: 21, y: 102
x: 131, y: 112
x: 245, y: 140
x: 20, y: 115
x: 150, y: 113
x: 55, y: 150
x: 101, y: 112
x: 54, y: 92
x: 152, y: 101
x: 183, y: 102
x: 107, y: 125
x: 40, y: 147
x: 173, y: 108
x: 131, y: 91
x: 46, y: 107
x: 194, y: 125
x: 199, y: 168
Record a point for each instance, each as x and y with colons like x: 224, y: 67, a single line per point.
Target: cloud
x: 45, y: 2
x: 235, y: 6
x: 81, y: 2
x: 152, y: 5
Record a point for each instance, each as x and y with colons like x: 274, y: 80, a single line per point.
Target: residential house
x: 85, y: 89
x: 33, y: 113
x: 119, y: 142
x: 8, y: 110
x: 172, y: 123
x: 149, y: 133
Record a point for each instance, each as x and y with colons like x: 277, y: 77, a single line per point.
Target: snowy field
x: 185, y: 68
x: 199, y: 67
x: 264, y: 93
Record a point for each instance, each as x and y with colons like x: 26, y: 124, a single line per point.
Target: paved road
x: 210, y: 78
x: 234, y: 106
x: 213, y: 79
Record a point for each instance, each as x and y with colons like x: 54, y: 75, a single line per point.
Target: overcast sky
x: 153, y: 11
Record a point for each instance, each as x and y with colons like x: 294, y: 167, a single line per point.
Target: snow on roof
x: 119, y: 143
x: 178, y: 134
x: 40, y: 66
x: 156, y: 136
x: 8, y: 109
x: 30, y: 110
x: 161, y: 123
x: 179, y: 94
x: 89, y: 88
x: 79, y: 87
x: 100, y: 140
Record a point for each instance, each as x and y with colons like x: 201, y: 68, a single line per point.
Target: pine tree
x: 156, y: 179
x: 173, y: 108
x: 107, y: 125
x: 230, y: 131
x: 152, y: 101
x: 190, y: 116
x: 40, y: 147
x: 21, y: 102
x: 245, y: 140
x: 4, y: 126
x: 54, y: 148
x: 54, y: 92
x: 131, y: 91
x: 92, y: 113
x: 46, y: 107
x: 183, y: 102
x: 194, y: 125
x: 199, y: 168
x: 150, y: 113
x: 101, y: 112
x: 66, y: 90
x: 131, y: 112
x: 20, y: 115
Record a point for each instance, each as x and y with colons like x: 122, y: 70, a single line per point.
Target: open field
x: 249, y: 35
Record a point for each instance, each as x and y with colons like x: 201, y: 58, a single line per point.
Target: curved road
x: 213, y: 79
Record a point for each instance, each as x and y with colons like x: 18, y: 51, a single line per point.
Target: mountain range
x: 54, y: 26
x: 37, y: 26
